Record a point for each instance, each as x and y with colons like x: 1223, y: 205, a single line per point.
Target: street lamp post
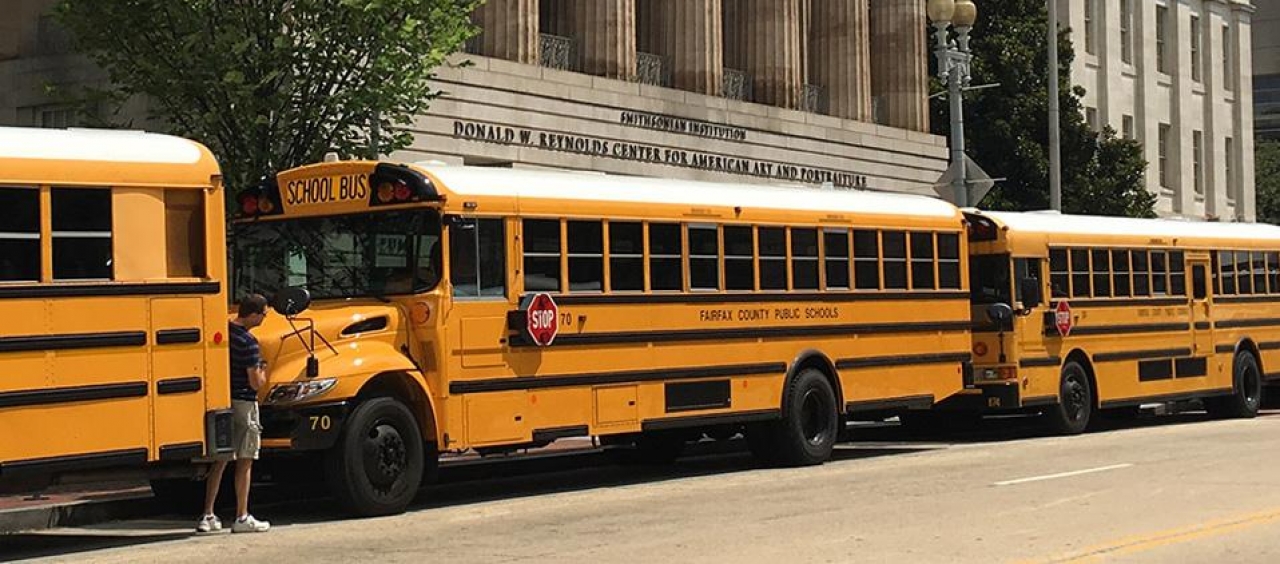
x: 954, y: 70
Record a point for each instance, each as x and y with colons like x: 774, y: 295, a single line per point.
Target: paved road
x: 1182, y: 489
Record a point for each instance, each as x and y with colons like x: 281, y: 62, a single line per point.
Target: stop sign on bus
x: 542, y: 319
x: 1062, y: 318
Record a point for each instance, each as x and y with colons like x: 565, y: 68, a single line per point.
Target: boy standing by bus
x: 248, y: 375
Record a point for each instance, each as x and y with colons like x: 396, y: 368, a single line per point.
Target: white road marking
x: 1062, y: 474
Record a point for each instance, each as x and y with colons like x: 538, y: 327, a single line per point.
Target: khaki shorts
x: 246, y: 430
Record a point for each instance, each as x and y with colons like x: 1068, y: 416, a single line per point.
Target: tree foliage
x: 1007, y: 129
x: 271, y: 84
x: 1266, y: 162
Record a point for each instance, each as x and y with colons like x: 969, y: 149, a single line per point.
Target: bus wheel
x: 1246, y: 394
x: 1075, y: 404
x: 807, y: 432
x: 377, y: 465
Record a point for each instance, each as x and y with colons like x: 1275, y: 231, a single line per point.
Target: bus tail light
x: 979, y: 349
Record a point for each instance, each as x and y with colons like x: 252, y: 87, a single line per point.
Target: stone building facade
x: 1177, y: 76
x: 1266, y: 70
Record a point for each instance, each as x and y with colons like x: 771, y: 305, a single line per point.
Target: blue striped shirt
x: 244, y: 355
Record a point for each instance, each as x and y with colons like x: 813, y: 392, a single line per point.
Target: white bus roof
x: 1052, y: 223
x: 98, y: 145
x: 505, y: 182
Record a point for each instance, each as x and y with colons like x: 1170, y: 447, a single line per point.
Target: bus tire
x: 810, y: 423
x: 1072, y: 413
x: 1246, y: 394
x: 377, y: 464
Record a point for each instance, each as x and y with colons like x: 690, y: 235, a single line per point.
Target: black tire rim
x: 1075, y: 397
x: 385, y: 455
x: 815, y: 417
x: 1252, y: 386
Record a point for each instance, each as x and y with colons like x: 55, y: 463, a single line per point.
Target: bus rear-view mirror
x: 291, y: 301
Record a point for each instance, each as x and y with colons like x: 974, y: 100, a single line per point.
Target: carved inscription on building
x: 641, y: 152
x: 681, y: 125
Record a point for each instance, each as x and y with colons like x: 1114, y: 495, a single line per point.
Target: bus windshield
x: 989, y: 279
x: 368, y: 254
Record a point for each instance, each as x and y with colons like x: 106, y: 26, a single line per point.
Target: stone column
x: 690, y: 37
x: 772, y: 36
x: 509, y: 30
x: 841, y: 56
x: 899, y: 76
x: 605, y: 32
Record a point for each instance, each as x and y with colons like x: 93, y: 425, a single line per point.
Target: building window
x: 1162, y: 14
x: 81, y: 234
x: 704, y: 258
x: 1227, y: 47
x: 1091, y: 118
x: 666, y: 269
x: 1228, y: 160
x: 20, y: 235
x: 542, y: 255
x: 1163, y: 145
x: 1090, y: 33
x: 773, y: 258
x: 739, y: 258
x: 626, y: 257
x: 1126, y: 31
x: 1195, y: 48
x: 586, y: 256
x: 1126, y: 125
x: 1197, y: 159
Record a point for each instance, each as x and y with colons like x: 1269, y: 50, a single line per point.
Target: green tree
x: 1007, y: 129
x: 1266, y: 163
x: 271, y: 84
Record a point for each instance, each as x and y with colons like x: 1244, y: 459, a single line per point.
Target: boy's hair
x: 251, y: 304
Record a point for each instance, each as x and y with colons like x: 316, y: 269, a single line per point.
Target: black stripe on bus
x: 177, y: 336
x: 1269, y: 345
x: 901, y: 360
x: 1181, y: 396
x: 178, y: 385
x: 923, y: 401
x: 1039, y: 361
x: 55, y: 464
x: 570, y: 380
x: 27, y: 343
x: 747, y: 333
x: 1122, y: 329
x: 695, y: 396
x: 1191, y: 367
x: 1152, y: 370
x: 709, y: 420
x: 1124, y: 302
x: 1141, y: 355
x: 1260, y: 322
x: 181, y: 452
x: 1225, y: 348
x: 91, y: 290
x: 72, y: 394
x: 1244, y: 299
x: 551, y: 434
x: 677, y: 298
x: 1203, y: 325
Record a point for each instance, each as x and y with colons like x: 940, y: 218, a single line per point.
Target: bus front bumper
x: 302, y: 427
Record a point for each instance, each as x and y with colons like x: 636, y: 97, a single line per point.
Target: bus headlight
x: 298, y: 391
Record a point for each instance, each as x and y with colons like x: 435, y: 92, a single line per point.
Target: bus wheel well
x: 403, y: 387
x: 1079, y: 357
x: 818, y: 361
x: 1247, y: 345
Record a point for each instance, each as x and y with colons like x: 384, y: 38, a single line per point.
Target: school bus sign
x: 542, y: 319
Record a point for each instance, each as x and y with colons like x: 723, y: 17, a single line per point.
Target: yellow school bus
x: 1082, y: 316
x: 112, y: 259
x: 456, y: 308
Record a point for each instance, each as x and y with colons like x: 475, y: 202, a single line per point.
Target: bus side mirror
x: 1000, y: 314
x: 291, y: 301
x: 1032, y: 294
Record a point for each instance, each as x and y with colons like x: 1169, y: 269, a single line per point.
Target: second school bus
x: 1104, y: 313
x: 681, y: 308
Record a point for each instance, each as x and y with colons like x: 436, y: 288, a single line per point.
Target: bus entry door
x: 1201, y: 308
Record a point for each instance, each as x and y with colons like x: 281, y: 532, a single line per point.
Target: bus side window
x: 1227, y: 262
x: 1141, y: 274
x: 895, y: 260
x: 922, y: 261
x: 1024, y: 268
x: 949, y: 261
x: 477, y: 258
x: 1197, y: 282
x: 20, y: 235
x: 626, y: 256
x: 542, y: 255
x: 739, y: 262
x: 1177, y: 274
x: 773, y: 258
x: 666, y: 266
x: 1081, y: 285
x: 866, y: 260
x: 1059, y: 274
x: 704, y: 257
x: 1159, y: 273
x: 804, y: 259
x: 586, y: 256
x: 81, y: 234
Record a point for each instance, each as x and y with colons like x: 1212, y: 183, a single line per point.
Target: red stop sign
x: 1062, y: 318
x: 542, y: 319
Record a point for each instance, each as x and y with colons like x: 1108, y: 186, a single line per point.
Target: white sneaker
x: 209, y: 524
x: 248, y: 524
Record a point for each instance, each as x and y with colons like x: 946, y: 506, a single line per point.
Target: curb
x: 75, y: 513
